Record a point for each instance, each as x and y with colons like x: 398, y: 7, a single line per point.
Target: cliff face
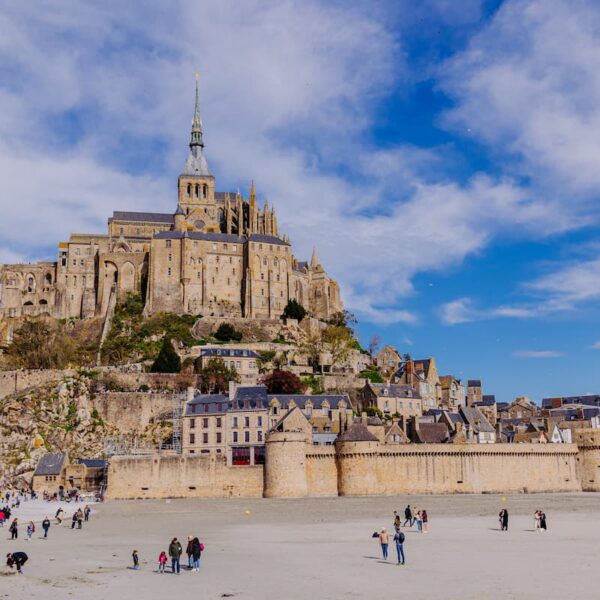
x: 60, y: 416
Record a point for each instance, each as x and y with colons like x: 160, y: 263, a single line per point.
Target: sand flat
x: 320, y: 548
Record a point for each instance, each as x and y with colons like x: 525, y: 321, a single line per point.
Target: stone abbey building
x: 218, y: 254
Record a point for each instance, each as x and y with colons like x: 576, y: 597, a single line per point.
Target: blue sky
x: 443, y: 155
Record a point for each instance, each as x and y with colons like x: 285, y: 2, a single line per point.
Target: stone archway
x: 126, y: 279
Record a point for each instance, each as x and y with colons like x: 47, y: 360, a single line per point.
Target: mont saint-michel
x: 217, y: 254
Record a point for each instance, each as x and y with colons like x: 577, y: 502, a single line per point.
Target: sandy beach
x: 317, y: 548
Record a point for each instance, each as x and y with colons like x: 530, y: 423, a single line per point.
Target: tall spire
x: 314, y: 260
x: 196, y: 138
x: 252, y: 192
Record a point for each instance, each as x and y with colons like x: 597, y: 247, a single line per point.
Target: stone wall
x: 17, y: 381
x: 321, y: 471
x: 443, y: 469
x: 174, y: 476
x: 133, y: 410
x: 588, y: 460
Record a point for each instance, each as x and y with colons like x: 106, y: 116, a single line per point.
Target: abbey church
x: 218, y: 254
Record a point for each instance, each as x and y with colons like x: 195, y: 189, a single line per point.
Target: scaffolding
x: 176, y: 416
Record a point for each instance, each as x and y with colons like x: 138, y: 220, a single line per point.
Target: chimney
x: 232, y: 390
x: 189, y: 394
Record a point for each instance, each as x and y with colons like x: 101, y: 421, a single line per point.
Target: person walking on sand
x: 543, y: 525
x: 162, y: 561
x: 79, y: 516
x: 503, y: 519
x: 536, y: 520
x: 197, y: 548
x: 408, y: 516
x: 384, y: 540
x: 30, y: 530
x: 425, y: 521
x: 59, y: 515
x: 46, y: 526
x: 188, y: 551
x: 396, y: 521
x: 175, y: 551
x: 16, y: 559
x: 419, y: 519
x: 399, y: 540
x: 86, y: 512
x: 14, y: 529
x: 136, y: 560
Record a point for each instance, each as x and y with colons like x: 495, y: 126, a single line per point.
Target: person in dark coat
x: 46, y: 526
x: 543, y: 525
x: 503, y: 519
x: 408, y: 516
x: 14, y: 529
x: 175, y: 551
x: 16, y: 559
x: 196, y: 553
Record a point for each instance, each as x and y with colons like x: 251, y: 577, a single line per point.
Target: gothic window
x: 204, y: 190
x: 30, y: 284
x: 48, y: 279
x: 189, y: 190
x: 196, y: 191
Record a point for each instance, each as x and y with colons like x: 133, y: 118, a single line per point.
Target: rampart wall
x: 175, y: 476
x: 133, y: 410
x: 588, y: 460
x: 19, y: 380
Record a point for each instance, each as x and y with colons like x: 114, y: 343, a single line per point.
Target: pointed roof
x: 179, y: 210
x: 196, y: 162
x: 314, y: 260
x: 252, y: 192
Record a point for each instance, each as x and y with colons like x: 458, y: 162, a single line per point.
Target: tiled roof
x: 149, y: 217
x: 50, y: 464
x: 357, y: 432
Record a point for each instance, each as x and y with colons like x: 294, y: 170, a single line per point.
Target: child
x: 136, y: 560
x: 30, y: 530
x: 162, y: 561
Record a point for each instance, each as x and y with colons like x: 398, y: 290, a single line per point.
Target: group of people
x: 539, y: 521
x: 193, y: 550
x: 412, y: 516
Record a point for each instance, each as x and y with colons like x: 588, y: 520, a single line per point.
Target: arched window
x: 30, y: 284
x: 204, y: 191
x: 196, y: 191
x: 189, y: 190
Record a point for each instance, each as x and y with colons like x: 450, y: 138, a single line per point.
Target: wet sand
x: 318, y: 549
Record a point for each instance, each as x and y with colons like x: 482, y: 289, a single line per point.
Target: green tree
x: 227, y: 333
x: 215, y: 376
x: 168, y: 360
x: 282, y: 382
x: 372, y: 375
x: 294, y: 310
x: 338, y: 341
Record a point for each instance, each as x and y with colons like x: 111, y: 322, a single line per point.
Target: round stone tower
x: 357, y: 450
x: 285, y: 465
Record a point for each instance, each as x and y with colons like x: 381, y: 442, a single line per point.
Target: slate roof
x: 589, y: 400
x: 199, y: 235
x: 210, y: 400
x: 474, y: 417
x: 93, y: 463
x: 196, y: 163
x: 474, y: 383
x: 432, y: 433
x: 316, y: 399
x: 50, y: 464
x: 488, y: 400
x: 149, y: 217
x: 357, y: 432
x: 228, y: 352
x: 222, y: 195
x: 502, y: 405
x: 396, y: 390
x: 268, y: 239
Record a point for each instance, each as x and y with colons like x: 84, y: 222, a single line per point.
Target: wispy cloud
x: 537, y: 354
x: 595, y: 346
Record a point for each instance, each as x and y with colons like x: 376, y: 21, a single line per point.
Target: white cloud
x: 595, y: 346
x: 99, y: 100
x: 529, y: 83
x: 537, y: 354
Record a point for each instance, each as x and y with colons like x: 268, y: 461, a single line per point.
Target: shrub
x: 373, y: 411
x: 227, y: 333
x: 294, y: 310
x: 372, y: 375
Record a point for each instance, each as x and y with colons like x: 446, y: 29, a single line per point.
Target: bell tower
x: 196, y: 185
